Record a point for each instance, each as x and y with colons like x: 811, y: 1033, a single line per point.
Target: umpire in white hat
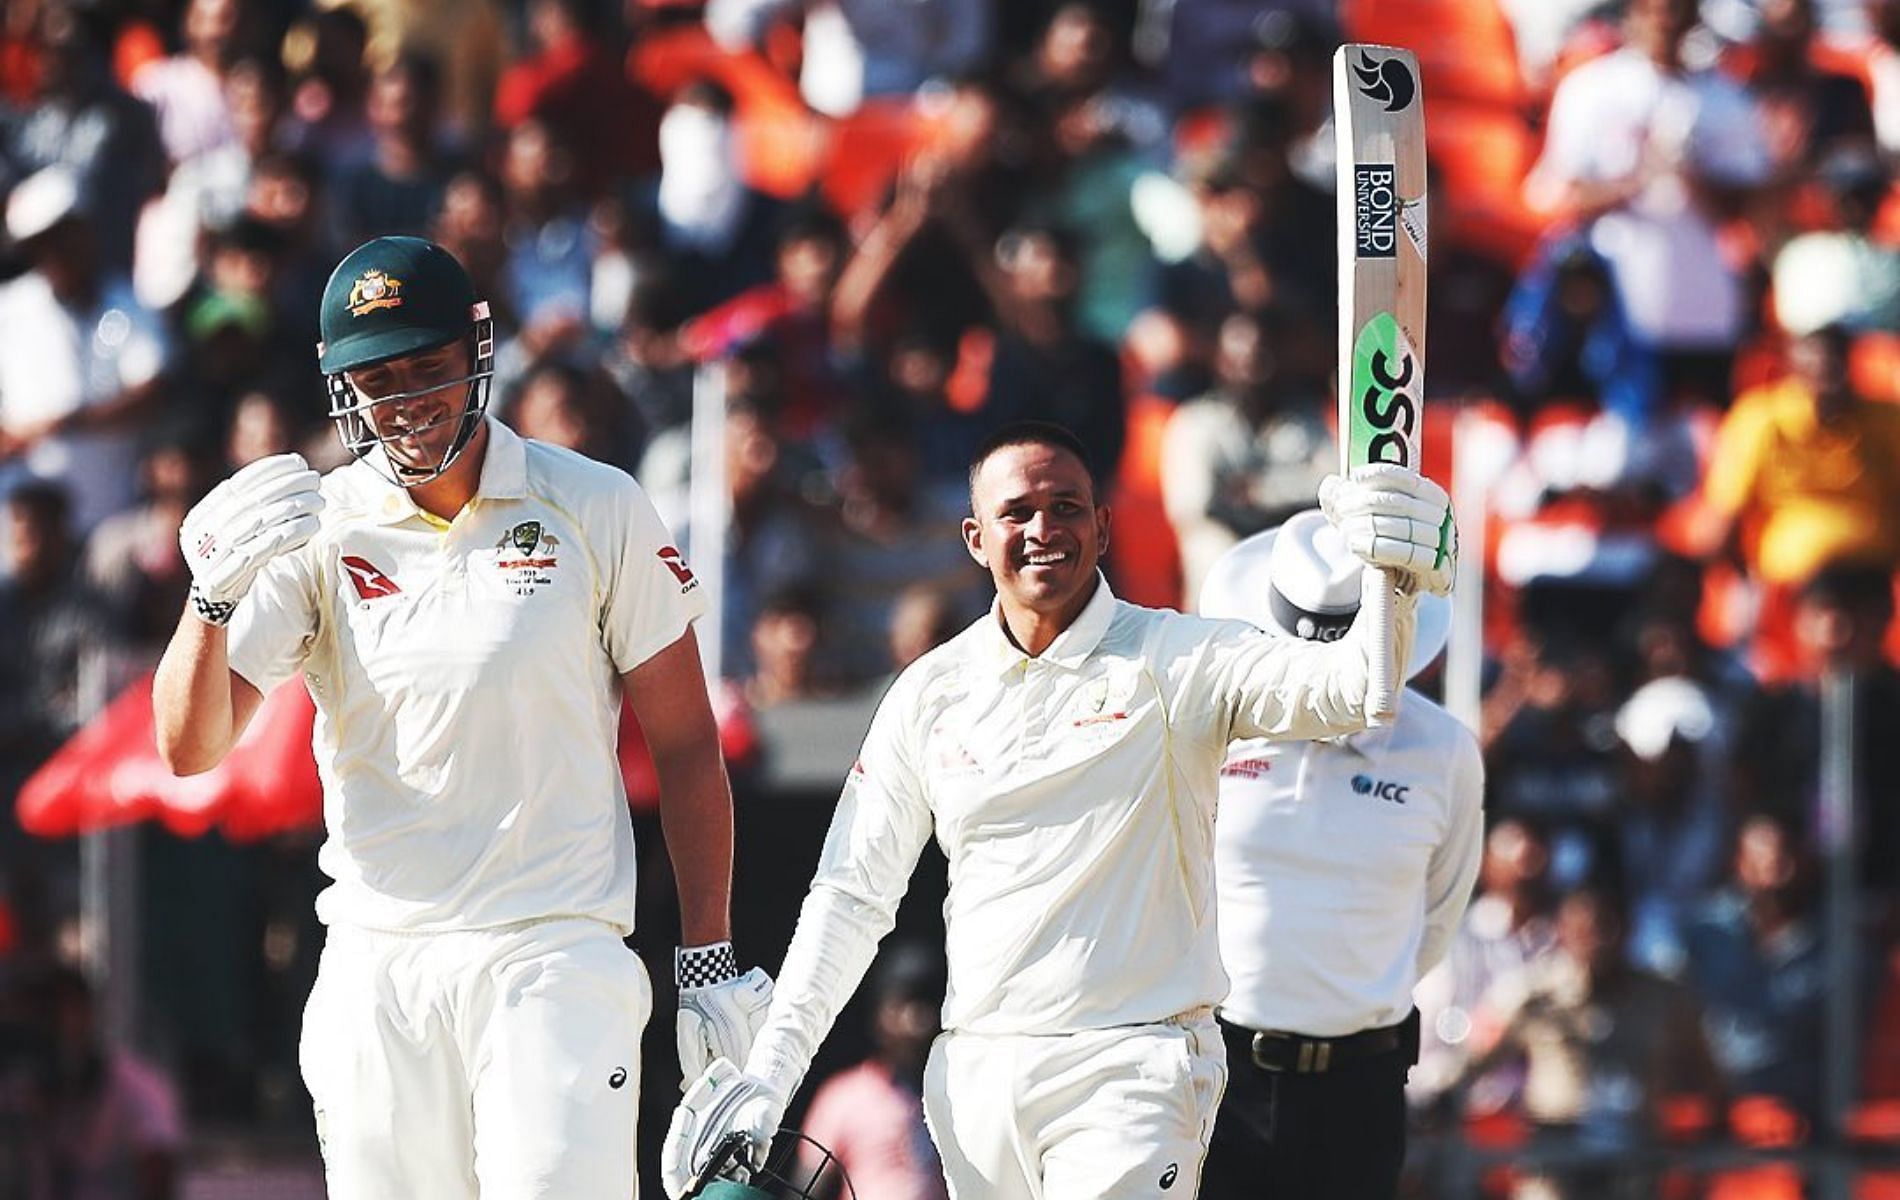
x: 1343, y: 867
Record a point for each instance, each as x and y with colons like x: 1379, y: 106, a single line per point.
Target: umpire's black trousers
x: 1301, y: 1123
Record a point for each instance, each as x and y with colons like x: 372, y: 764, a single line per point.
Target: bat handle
x: 1382, y: 693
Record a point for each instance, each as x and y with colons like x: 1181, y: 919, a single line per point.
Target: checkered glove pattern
x: 720, y: 1009
x: 704, y: 966
x: 211, y: 612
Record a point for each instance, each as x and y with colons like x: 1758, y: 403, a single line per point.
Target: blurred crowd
x: 1664, y: 336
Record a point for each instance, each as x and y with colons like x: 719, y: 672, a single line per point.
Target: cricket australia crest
x: 525, y: 557
x: 372, y: 290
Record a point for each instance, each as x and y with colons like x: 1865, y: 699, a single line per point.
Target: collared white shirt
x: 1344, y: 868
x: 467, y: 683
x: 1073, y: 794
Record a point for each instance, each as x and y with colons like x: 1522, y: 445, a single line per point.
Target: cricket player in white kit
x: 1064, y: 750
x: 467, y: 609
x: 1344, y: 867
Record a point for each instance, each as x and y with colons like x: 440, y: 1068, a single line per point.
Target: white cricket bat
x: 1379, y: 121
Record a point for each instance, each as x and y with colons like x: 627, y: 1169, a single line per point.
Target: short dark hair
x: 708, y: 93
x: 1854, y: 585
x: 44, y: 501
x: 1033, y: 433
x: 811, y: 221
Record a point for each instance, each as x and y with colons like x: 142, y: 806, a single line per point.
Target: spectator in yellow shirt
x: 1805, y: 473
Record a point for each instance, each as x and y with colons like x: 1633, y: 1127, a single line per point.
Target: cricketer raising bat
x: 1379, y: 121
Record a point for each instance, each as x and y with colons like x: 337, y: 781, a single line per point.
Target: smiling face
x: 416, y: 431
x: 1037, y: 528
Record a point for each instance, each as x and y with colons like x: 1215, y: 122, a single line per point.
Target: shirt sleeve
x: 1727, y: 140
x: 1259, y: 685
x: 1568, y: 156
x: 1735, y: 461
x: 154, y: 1123
x: 1454, y: 865
x: 879, y: 828
x: 275, y: 625
x: 651, y: 595
x: 829, y: 1120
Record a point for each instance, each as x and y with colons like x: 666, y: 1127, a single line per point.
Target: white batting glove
x: 264, y: 510
x: 1395, y: 518
x: 721, y: 1104
x: 720, y: 1011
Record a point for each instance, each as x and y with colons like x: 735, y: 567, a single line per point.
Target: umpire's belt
x: 1276, y: 1050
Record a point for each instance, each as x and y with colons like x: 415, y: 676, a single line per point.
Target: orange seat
x: 1776, y: 1181
x: 781, y: 142
x: 1465, y: 48
x: 138, y: 43
x: 1766, y: 1122
x: 1874, y: 366
x: 1144, y: 556
x: 1875, y: 1121
x: 1878, y: 1185
x: 1481, y: 153
x: 864, y: 152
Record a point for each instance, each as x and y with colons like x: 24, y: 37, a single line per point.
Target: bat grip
x: 1382, y: 693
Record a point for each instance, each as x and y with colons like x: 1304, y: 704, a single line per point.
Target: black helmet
x: 729, y: 1175
x: 392, y: 297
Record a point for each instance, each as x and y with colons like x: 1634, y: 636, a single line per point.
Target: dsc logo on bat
x: 1383, y: 369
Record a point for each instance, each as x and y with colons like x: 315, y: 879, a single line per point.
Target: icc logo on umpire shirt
x: 1384, y: 789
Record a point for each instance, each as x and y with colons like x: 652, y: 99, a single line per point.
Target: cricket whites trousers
x: 488, y: 1063
x: 1106, y: 1114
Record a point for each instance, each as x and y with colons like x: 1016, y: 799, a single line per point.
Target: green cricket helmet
x: 389, y: 298
x: 786, y: 1174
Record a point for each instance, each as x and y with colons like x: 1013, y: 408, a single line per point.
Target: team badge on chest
x: 525, y: 557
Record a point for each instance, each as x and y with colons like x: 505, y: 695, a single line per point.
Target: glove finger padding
x: 1395, y: 519
x: 266, y: 509
x: 721, y: 1102
x: 721, y: 1021
x: 226, y: 506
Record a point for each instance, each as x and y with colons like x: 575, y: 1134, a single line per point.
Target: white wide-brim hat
x: 41, y: 201
x: 1299, y: 580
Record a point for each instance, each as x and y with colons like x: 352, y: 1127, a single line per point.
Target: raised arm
x: 1288, y: 688
x: 200, y: 705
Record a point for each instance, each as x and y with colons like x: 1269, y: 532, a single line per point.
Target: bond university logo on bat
x: 1375, y: 190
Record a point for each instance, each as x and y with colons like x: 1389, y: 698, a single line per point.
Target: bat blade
x: 1379, y: 120
x: 1379, y: 123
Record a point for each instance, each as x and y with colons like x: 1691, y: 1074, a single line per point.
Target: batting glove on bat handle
x: 721, y: 1103
x: 267, y: 509
x: 1397, y: 519
x: 720, y: 1011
